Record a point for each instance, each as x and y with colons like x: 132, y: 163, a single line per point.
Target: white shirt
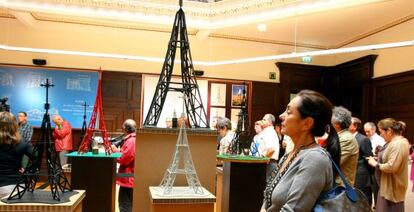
x: 375, y: 141
x: 225, y: 142
x: 270, y: 140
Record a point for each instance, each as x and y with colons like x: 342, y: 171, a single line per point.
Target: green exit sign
x: 307, y: 59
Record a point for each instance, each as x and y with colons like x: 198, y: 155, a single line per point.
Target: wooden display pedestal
x: 242, y: 183
x: 96, y: 175
x: 75, y: 205
x: 154, y: 150
x: 181, y: 200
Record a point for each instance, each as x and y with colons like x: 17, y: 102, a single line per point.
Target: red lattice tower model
x: 97, y: 108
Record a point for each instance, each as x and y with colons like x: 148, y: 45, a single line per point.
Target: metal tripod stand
x: 56, y: 177
x: 193, y: 103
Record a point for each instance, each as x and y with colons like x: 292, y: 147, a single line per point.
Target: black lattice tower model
x: 56, y: 177
x: 97, y: 109
x: 84, y: 105
x: 243, y: 129
x: 192, y: 98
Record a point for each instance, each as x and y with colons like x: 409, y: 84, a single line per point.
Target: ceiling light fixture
x: 262, y: 27
x: 217, y: 63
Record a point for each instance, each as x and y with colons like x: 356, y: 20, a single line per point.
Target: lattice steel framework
x: 243, y: 129
x: 84, y: 105
x: 192, y: 98
x: 97, y: 109
x: 182, y: 152
x: 56, y: 177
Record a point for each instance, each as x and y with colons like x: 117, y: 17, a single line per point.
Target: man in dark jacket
x: 364, y: 174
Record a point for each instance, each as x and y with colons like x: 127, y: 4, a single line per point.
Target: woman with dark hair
x: 304, y: 173
x: 11, y: 153
x: 391, y: 169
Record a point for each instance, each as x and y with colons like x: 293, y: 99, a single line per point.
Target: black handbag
x: 341, y: 198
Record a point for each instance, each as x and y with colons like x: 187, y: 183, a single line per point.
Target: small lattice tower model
x: 182, y: 152
x: 83, y: 131
x: 242, y: 134
x: 97, y: 109
x: 56, y: 177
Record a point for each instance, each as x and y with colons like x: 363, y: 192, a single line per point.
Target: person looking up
x: 305, y: 172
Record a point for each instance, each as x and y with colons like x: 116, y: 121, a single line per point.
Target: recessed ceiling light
x: 262, y: 27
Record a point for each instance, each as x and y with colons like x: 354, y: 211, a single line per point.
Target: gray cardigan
x: 308, y: 176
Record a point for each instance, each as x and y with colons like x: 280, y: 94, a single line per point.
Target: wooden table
x: 181, y: 200
x: 75, y: 205
x: 96, y: 174
x: 242, y: 183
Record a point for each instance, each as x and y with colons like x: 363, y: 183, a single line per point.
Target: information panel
x: 71, y: 89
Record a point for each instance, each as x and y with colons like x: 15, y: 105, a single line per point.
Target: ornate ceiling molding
x: 214, y: 9
x: 104, y: 23
x: 202, y: 15
x: 4, y: 13
x: 192, y: 8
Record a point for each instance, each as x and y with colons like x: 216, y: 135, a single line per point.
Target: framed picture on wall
x: 218, y: 94
x: 216, y: 112
x: 237, y: 95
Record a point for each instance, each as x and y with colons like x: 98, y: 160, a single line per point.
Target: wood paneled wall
x: 121, y: 98
x: 346, y: 84
x: 392, y: 97
x: 266, y: 98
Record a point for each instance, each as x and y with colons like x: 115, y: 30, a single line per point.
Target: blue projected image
x: 71, y: 89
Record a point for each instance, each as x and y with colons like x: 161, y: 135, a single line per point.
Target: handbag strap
x: 350, y: 191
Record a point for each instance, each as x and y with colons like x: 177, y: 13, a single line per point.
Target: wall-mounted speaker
x: 39, y: 62
x: 198, y: 73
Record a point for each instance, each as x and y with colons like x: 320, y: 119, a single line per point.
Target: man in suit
x: 364, y: 174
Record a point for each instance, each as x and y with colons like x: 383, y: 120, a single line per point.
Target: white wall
x: 174, y: 100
